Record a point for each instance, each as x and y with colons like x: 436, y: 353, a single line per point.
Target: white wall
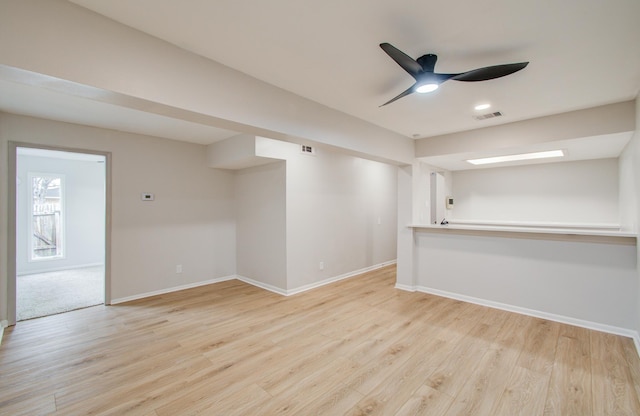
x: 261, y: 216
x: 191, y: 222
x: 83, y: 212
x: 573, y: 192
x: 413, y: 206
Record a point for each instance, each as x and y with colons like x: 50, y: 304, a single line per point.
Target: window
x: 46, y: 237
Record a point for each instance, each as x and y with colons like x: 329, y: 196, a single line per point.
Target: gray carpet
x: 50, y: 293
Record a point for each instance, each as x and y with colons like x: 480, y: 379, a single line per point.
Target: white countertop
x: 557, y: 229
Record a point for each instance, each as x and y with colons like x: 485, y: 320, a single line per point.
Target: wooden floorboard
x: 355, y: 347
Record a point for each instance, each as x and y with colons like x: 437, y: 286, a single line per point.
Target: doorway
x: 61, y: 231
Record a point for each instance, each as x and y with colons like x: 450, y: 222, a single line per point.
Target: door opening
x: 60, y: 231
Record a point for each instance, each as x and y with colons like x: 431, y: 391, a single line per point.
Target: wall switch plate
x: 179, y: 268
x: 321, y: 265
x: 147, y: 197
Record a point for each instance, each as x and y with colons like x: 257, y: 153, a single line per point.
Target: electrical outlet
x: 321, y: 265
x: 179, y: 268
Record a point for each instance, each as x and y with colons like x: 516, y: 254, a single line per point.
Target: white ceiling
x: 582, y: 53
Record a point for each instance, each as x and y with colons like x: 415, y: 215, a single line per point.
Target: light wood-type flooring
x: 355, y: 347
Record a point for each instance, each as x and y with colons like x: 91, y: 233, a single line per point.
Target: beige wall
x: 636, y: 175
x: 341, y: 211
x: 630, y: 196
x: 260, y: 195
x: 191, y: 222
x: 272, y: 224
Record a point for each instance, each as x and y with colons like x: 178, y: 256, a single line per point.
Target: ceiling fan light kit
x: 424, y: 88
x: 427, y: 80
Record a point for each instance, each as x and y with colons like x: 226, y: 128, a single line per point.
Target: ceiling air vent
x: 489, y: 115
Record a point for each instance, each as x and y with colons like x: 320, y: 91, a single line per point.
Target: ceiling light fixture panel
x: 517, y: 157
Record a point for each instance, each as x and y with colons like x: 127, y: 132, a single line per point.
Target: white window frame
x: 63, y: 232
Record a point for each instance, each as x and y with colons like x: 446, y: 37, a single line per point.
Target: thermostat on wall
x: 449, y: 202
x: 147, y: 197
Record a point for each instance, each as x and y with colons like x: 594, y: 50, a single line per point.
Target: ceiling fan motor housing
x: 428, y: 62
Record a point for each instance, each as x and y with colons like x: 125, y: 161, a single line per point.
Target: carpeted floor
x: 56, y: 292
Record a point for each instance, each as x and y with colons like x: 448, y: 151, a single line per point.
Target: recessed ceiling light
x: 521, y: 156
x: 426, y: 88
x: 482, y: 106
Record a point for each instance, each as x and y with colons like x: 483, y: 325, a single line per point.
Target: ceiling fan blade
x: 405, y: 61
x: 440, y: 78
x: 402, y: 94
x: 490, y: 72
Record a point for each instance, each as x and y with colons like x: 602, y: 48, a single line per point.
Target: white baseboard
x: 636, y: 341
x: 262, y: 285
x: 171, y: 289
x: 530, y: 312
x: 405, y: 287
x: 59, y: 269
x: 289, y: 292
x: 338, y: 278
x: 3, y: 325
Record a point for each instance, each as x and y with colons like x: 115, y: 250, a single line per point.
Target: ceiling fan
x: 422, y: 70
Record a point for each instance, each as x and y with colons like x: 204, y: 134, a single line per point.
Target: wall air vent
x: 489, y: 115
x: 307, y: 149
